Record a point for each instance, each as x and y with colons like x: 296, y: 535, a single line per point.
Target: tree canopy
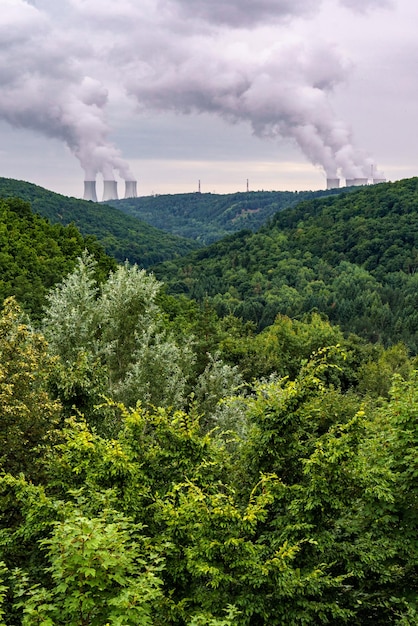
x: 352, y: 257
x: 164, y: 465
x: 207, y: 217
x: 35, y: 254
x: 122, y: 236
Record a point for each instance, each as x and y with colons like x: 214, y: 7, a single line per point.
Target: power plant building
x: 333, y: 183
x: 90, y: 190
x: 110, y: 190
x: 356, y: 182
x: 130, y: 189
x: 336, y: 183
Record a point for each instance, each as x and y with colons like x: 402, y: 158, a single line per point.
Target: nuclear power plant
x: 90, y: 190
x: 335, y: 183
x: 110, y: 190
x: 356, y: 182
x: 130, y: 189
x: 110, y: 187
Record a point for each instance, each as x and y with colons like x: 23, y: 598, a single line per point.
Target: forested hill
x: 35, y: 255
x: 160, y: 465
x: 353, y: 256
x: 208, y: 217
x: 122, y: 236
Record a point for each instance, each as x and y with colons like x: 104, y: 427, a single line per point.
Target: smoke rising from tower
x: 60, y: 70
x: 276, y: 99
x: 44, y: 89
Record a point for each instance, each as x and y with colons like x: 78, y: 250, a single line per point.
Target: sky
x: 273, y: 94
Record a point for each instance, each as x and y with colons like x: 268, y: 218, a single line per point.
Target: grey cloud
x: 243, y: 12
x: 249, y: 13
x: 365, y: 5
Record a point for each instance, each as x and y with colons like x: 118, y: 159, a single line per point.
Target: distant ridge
x: 122, y: 236
x: 352, y: 257
x: 208, y: 217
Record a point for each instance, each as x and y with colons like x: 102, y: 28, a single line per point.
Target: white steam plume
x: 284, y: 92
x: 43, y: 88
x: 62, y: 62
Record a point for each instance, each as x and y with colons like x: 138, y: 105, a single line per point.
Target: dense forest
x: 164, y: 461
x: 352, y: 257
x: 122, y: 236
x: 35, y: 254
x: 208, y: 217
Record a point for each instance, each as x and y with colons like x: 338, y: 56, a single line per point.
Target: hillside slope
x: 353, y: 257
x: 208, y: 217
x: 34, y: 254
x: 122, y: 236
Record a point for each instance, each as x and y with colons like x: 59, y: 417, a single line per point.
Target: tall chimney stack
x: 130, y: 189
x: 90, y: 190
x: 110, y: 190
x: 333, y: 183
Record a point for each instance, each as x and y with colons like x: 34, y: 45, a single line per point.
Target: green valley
x: 207, y: 217
x: 236, y: 446
x: 122, y: 236
x: 352, y: 257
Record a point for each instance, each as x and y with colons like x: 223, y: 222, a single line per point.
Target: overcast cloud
x: 284, y: 92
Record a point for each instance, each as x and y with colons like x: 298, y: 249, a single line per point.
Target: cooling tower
x: 356, y: 182
x: 376, y: 181
x: 333, y: 183
x: 90, y: 190
x: 130, y: 189
x: 110, y: 190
